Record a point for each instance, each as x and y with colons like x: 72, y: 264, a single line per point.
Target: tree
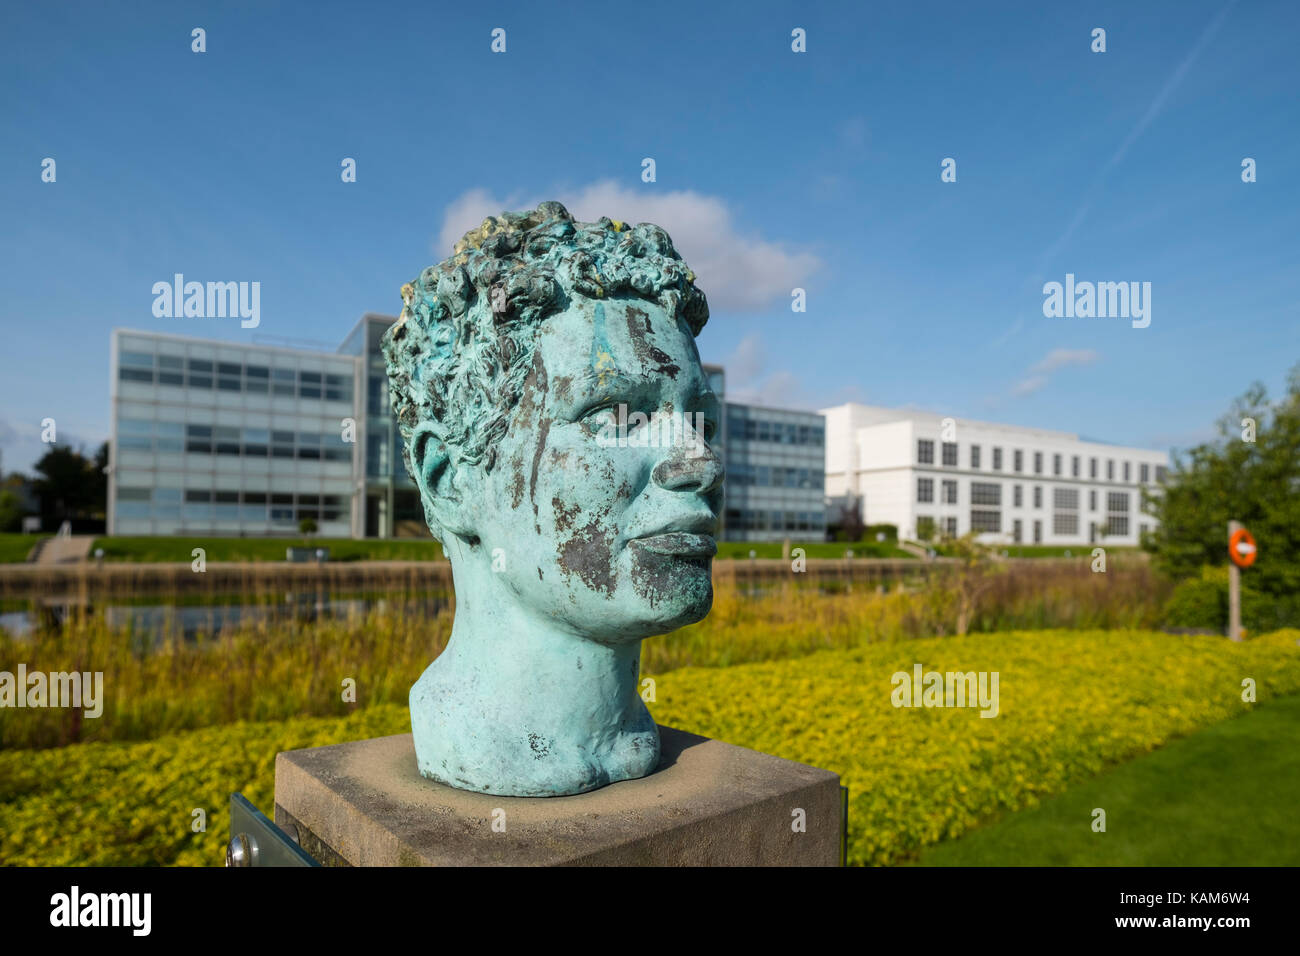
x: 307, y: 526
x: 1256, y: 483
x: 11, y: 510
x: 70, y: 485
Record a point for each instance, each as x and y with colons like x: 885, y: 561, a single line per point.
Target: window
x: 1065, y: 523
x: 1065, y: 499
x: 256, y: 442
x: 1110, y: 469
x: 256, y: 379
x: 981, y: 520
x: 1018, y: 460
x: 949, y: 491
x: 171, y: 370
x: 950, y: 527
x: 1038, y: 496
x: 1117, y: 508
x: 1017, y: 496
x: 1144, y: 473
x: 1160, y: 473
x: 1092, y: 500
x: 975, y: 457
x: 1092, y: 467
x: 1038, y: 463
x: 925, y: 489
x: 227, y: 440
x: 1017, y: 532
x: 308, y: 446
x: 997, y: 459
x: 924, y: 451
x: 1128, y: 471
x: 1056, y: 464
x: 282, y: 444
x: 1074, y: 467
x: 309, y: 384
x: 198, y: 438
x: 1065, y: 516
x: 338, y: 388
x: 986, y: 493
x: 950, y: 454
x: 169, y: 437
x: 1038, y: 532
x: 200, y: 373
x: 284, y: 381
x: 229, y: 376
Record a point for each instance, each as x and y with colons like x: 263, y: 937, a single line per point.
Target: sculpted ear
x: 435, y: 475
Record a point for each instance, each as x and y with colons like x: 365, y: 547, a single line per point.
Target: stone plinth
x: 708, y: 804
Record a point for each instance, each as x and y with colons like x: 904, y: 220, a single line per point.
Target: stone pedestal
x: 708, y: 804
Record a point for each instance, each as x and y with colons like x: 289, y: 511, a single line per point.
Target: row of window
x: 987, y: 520
x: 775, y: 476
x: 990, y: 493
x: 748, y: 519
x: 782, y: 433
x: 249, y: 506
x: 948, y: 450
x: 141, y: 435
x: 233, y: 377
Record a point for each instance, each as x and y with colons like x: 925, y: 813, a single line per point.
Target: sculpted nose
x: 700, y: 472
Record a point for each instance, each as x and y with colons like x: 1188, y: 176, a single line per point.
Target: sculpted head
x: 510, y: 364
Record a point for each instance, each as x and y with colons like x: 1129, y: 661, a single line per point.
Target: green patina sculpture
x: 558, y: 424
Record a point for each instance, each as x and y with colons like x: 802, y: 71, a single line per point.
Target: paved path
x: 60, y: 550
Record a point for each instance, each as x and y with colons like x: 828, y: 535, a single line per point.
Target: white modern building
x: 926, y: 473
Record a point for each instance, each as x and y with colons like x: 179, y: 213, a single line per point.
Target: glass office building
x: 210, y: 438
x: 776, y: 465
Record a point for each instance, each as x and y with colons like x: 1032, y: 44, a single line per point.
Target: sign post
x: 1241, y: 554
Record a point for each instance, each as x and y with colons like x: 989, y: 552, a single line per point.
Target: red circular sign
x: 1241, y: 548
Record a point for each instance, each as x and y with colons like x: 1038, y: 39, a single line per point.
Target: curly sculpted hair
x: 460, y: 352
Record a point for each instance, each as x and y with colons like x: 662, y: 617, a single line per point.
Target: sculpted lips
x: 691, y: 538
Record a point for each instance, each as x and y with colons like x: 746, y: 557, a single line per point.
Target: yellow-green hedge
x: 1070, y: 703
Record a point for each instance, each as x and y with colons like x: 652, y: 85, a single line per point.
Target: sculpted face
x: 609, y: 534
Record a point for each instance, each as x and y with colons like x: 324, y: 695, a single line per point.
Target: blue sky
x: 819, y: 170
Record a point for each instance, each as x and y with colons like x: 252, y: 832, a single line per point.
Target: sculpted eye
x: 600, y: 417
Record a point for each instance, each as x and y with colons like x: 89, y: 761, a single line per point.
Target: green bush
x: 1203, y: 602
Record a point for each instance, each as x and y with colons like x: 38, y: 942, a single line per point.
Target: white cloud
x: 1060, y: 358
x: 737, y: 272
x: 1040, y: 372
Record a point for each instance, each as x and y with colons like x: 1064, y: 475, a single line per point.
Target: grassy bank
x: 15, y: 547
x: 163, y: 549
x: 1225, y: 796
x: 1071, y: 705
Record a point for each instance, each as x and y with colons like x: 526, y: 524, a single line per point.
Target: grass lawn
x: 167, y: 548
x: 14, y: 547
x: 1225, y: 796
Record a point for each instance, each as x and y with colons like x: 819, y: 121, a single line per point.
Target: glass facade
x: 776, y: 471
x: 210, y: 438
